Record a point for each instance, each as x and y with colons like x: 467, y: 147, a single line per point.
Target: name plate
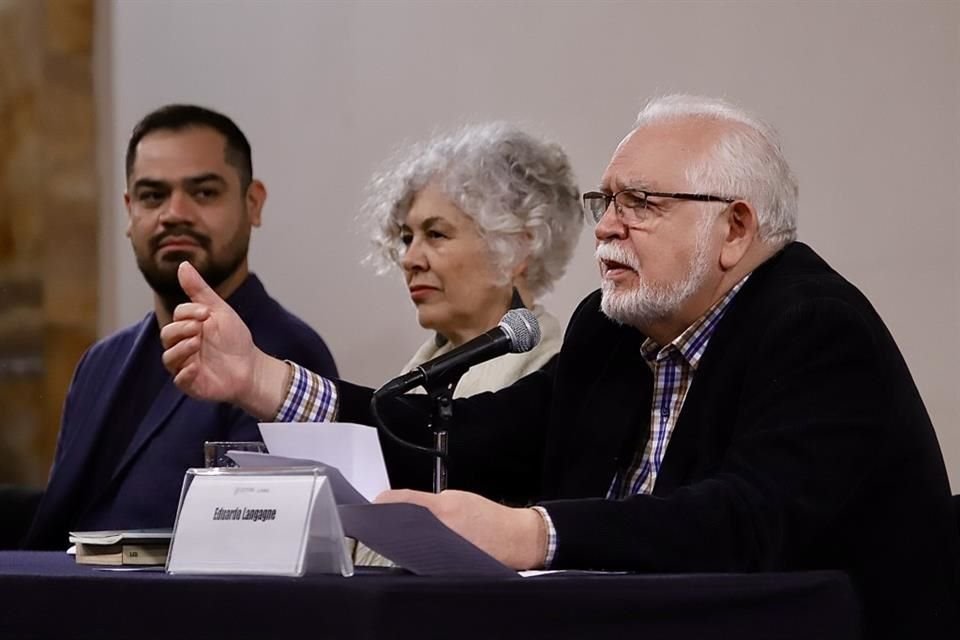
x: 266, y: 522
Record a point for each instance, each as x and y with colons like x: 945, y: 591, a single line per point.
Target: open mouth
x: 613, y: 268
x: 615, y: 261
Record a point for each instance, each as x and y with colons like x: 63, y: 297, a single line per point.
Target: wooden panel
x: 48, y: 222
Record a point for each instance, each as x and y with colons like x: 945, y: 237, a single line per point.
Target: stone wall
x: 48, y: 222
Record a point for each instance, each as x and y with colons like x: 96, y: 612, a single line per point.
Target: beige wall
x: 866, y: 94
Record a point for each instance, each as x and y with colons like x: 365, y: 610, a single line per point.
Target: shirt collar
x: 691, y: 344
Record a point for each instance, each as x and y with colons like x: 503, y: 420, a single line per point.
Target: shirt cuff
x: 310, y: 398
x: 551, y: 537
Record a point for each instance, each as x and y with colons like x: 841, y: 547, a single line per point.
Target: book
x: 122, y: 554
x: 134, y: 547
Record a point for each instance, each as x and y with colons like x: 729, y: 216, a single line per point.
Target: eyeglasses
x: 631, y: 205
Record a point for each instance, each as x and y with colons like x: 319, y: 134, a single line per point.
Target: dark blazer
x: 802, y: 444
x: 145, y: 488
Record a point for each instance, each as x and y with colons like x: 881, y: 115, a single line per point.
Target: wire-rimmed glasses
x: 631, y: 204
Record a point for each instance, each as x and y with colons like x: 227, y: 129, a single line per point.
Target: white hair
x: 746, y: 163
x: 520, y: 192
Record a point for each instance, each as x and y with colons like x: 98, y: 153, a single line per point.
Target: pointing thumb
x: 194, y: 286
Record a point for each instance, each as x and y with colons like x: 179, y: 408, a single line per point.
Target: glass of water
x: 215, y: 453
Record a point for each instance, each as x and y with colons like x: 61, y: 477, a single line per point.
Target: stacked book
x: 133, y: 547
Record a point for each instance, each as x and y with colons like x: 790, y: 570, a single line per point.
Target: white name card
x: 276, y: 522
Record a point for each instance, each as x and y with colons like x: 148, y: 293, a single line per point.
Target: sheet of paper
x: 343, y: 491
x: 536, y: 573
x: 414, y: 539
x: 354, y: 449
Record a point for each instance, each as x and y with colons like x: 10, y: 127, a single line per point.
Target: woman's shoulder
x: 427, y: 351
x: 551, y: 334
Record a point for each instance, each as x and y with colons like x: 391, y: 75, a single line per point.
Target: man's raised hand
x: 208, y: 348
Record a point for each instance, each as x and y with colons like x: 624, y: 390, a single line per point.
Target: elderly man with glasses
x: 726, y: 402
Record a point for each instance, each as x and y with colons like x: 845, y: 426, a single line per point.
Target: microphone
x: 517, y: 332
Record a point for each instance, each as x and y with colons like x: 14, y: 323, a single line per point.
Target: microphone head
x: 522, y: 328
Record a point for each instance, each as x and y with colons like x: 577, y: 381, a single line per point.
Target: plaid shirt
x: 673, y: 366
x: 310, y: 398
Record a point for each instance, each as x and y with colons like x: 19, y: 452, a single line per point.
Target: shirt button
x: 664, y: 412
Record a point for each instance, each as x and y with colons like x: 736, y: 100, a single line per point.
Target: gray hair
x: 520, y: 192
x: 747, y: 162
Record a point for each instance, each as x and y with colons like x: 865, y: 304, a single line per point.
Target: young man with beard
x: 128, y: 434
x: 727, y: 402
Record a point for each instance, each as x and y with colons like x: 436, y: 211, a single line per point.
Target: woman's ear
x: 520, y: 268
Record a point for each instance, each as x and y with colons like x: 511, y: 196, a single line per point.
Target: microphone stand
x: 440, y: 393
x: 441, y: 418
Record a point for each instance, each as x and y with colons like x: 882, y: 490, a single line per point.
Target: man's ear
x: 256, y: 196
x: 742, y: 230
x: 126, y: 203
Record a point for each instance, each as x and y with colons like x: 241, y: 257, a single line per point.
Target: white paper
x: 536, y: 573
x: 354, y: 449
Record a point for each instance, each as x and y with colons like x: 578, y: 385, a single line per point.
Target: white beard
x: 648, y: 302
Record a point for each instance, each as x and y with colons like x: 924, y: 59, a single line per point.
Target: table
x: 45, y: 594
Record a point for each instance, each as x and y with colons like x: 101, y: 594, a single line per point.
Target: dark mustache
x: 199, y: 238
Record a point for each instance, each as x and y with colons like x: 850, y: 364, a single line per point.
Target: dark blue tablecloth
x: 46, y: 595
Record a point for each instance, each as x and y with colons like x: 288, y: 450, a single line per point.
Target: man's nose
x: 610, y: 225
x: 179, y: 209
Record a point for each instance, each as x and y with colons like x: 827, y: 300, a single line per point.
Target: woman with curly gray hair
x: 480, y: 221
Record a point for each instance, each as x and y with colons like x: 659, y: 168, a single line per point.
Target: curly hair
x: 520, y: 192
